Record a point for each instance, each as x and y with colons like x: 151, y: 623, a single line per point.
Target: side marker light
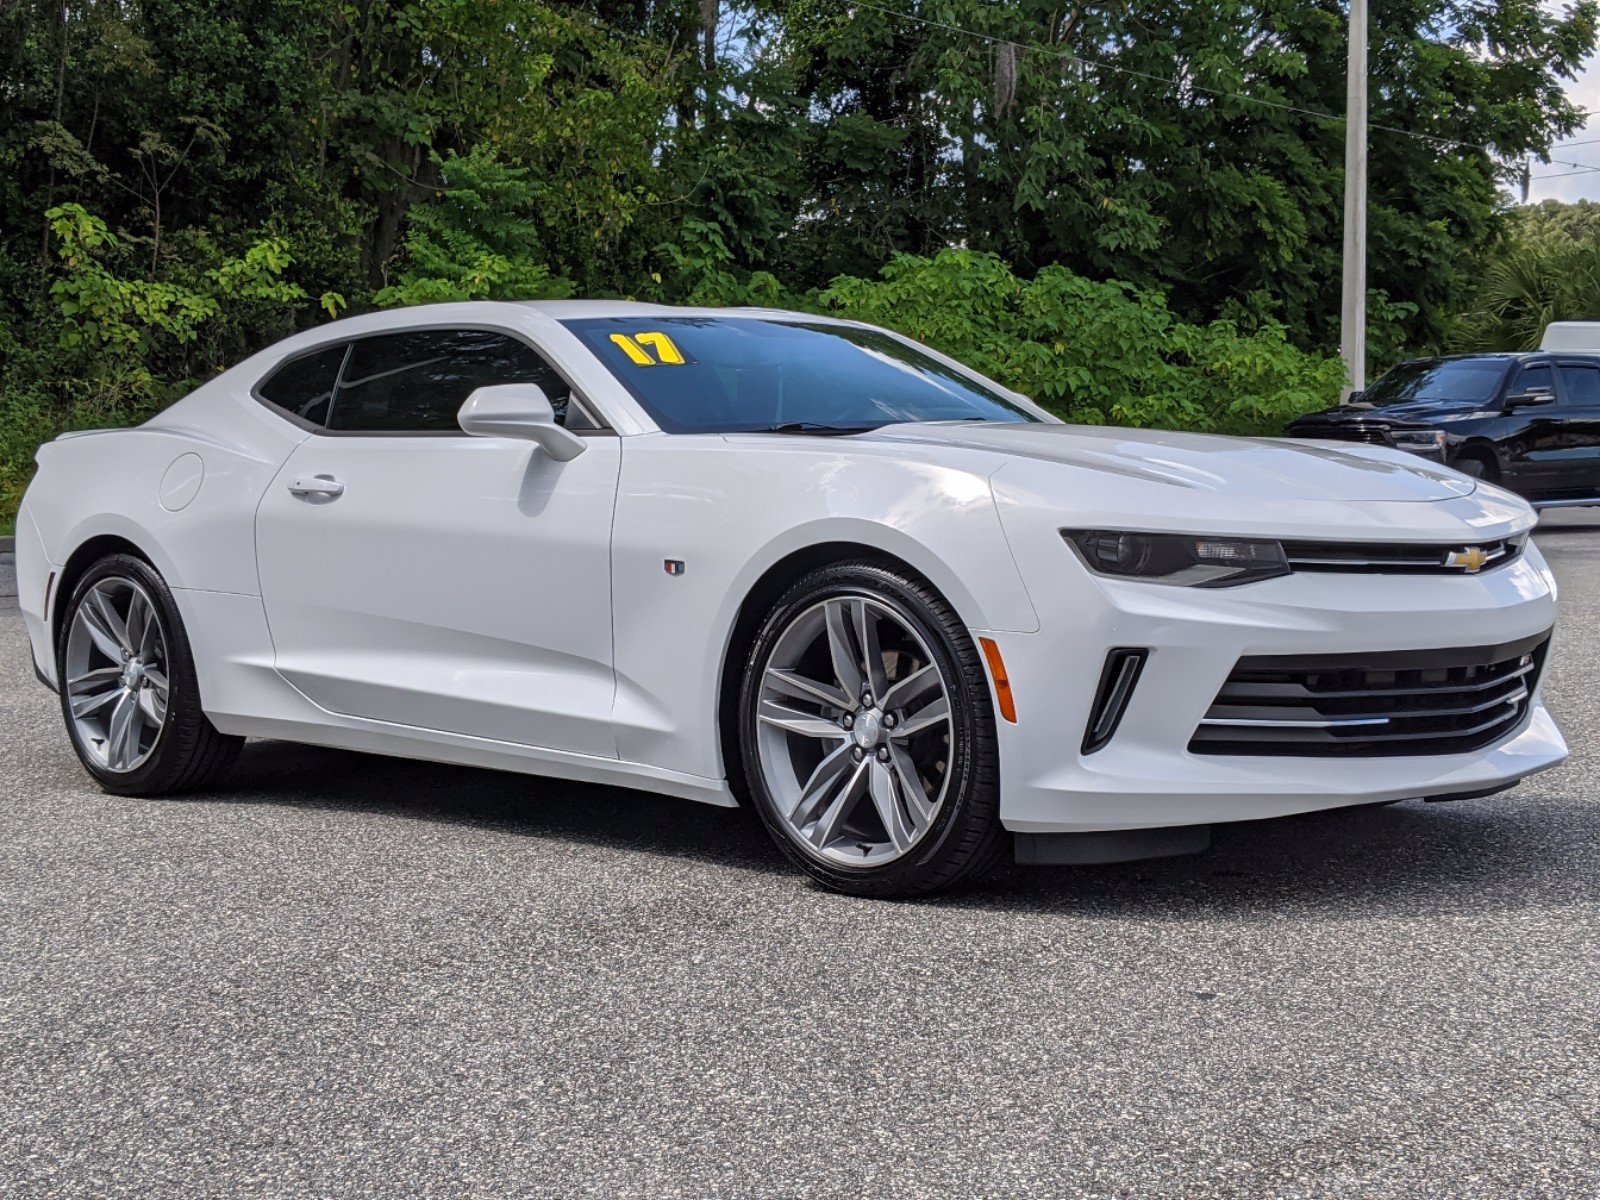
x: 1002, y: 682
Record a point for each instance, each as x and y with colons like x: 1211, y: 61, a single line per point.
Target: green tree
x: 1174, y: 145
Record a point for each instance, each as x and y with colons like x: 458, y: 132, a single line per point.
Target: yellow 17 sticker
x: 634, y: 347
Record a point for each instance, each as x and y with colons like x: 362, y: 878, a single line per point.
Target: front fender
x: 731, y: 509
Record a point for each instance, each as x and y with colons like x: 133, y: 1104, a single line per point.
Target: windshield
x: 730, y: 374
x: 1467, y: 380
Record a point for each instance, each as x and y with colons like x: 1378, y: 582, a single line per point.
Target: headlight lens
x: 1419, y: 440
x: 1181, y: 559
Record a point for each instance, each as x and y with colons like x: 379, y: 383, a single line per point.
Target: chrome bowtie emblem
x: 1470, y: 559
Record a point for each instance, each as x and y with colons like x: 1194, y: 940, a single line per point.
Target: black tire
x: 188, y: 753
x: 1477, y: 468
x: 964, y: 839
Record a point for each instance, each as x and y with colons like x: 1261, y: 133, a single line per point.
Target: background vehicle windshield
x: 1467, y: 380
x: 727, y: 374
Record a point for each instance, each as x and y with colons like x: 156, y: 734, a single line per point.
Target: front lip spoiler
x: 1472, y: 795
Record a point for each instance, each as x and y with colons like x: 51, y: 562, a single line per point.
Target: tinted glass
x: 1535, y: 377
x: 303, y: 386
x: 1467, y: 380
x: 1582, y: 384
x: 417, y: 382
x: 722, y: 374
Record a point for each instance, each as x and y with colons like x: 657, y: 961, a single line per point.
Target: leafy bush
x: 1092, y: 352
x: 110, y: 346
x: 1547, y: 269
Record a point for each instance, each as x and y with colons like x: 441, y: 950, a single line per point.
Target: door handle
x: 317, y: 485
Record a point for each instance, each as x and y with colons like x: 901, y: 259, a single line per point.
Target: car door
x: 1532, y: 445
x: 417, y: 576
x: 1575, y: 469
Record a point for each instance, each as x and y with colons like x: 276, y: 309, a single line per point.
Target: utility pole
x: 1353, y: 303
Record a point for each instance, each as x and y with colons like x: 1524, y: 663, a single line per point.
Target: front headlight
x: 1183, y: 559
x: 1419, y: 441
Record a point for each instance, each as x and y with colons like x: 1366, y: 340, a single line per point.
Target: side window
x: 1532, y: 378
x: 303, y: 386
x: 1581, y: 383
x: 418, y: 381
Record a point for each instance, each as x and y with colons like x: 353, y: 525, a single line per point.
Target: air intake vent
x: 1367, y: 705
x: 1117, y: 681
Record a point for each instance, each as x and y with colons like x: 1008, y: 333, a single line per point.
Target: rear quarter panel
x: 182, y: 489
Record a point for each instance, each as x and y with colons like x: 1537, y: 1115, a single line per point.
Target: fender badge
x: 674, y: 566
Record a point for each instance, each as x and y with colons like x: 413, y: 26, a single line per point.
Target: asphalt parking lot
x: 349, y: 976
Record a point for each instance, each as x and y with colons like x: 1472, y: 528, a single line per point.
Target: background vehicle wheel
x: 1478, y: 468
x: 128, y: 688
x: 867, y: 735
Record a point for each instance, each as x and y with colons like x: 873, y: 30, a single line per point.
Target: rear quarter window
x: 303, y: 386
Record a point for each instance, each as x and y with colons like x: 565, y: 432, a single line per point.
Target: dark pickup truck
x: 1529, y: 422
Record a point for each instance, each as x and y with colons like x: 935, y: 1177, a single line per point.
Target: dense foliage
x: 1546, y: 269
x: 1129, y: 211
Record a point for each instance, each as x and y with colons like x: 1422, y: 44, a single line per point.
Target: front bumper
x: 1146, y: 777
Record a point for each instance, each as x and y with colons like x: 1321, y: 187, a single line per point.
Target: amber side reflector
x: 1002, y: 682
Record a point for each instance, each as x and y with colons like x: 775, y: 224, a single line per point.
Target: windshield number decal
x: 667, y: 354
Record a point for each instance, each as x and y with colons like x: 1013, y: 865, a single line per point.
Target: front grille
x: 1369, y: 705
x: 1402, y: 558
x: 1372, y: 435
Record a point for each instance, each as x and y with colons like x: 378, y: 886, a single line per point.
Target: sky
x: 1574, y: 184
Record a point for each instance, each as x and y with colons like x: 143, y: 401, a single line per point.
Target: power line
x: 1099, y: 65
x: 1567, y: 174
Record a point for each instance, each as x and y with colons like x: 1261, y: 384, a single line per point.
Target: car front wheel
x: 129, y: 693
x: 867, y: 735
x: 1477, y: 468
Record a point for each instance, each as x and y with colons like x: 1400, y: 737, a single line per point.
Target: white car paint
x: 460, y: 584
x: 474, y: 600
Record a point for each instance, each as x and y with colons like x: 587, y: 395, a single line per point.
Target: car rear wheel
x: 129, y: 693
x: 867, y: 735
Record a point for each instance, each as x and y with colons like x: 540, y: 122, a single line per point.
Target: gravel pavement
x: 347, y: 976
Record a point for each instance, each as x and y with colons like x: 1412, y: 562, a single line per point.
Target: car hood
x: 1422, y: 411
x: 1264, y: 469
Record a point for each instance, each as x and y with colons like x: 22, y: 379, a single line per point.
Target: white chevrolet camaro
x: 751, y: 556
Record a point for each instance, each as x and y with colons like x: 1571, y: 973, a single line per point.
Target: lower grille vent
x: 1117, y: 681
x: 1367, y: 705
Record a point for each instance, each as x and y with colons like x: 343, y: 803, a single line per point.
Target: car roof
x: 572, y: 310
x: 496, y: 312
x: 1504, y: 356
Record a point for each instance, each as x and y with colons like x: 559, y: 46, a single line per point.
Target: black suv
x: 1530, y: 422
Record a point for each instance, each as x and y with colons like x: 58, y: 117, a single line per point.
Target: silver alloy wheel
x: 854, y: 731
x: 116, y: 674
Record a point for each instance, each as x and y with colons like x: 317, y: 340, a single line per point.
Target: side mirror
x: 522, y: 411
x: 1531, y: 397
